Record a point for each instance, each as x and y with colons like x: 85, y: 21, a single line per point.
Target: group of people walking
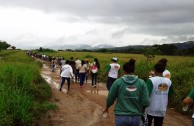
x: 134, y: 97
x: 136, y: 100
x: 79, y: 69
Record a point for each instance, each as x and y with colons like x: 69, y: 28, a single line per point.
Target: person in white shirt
x: 77, y: 63
x: 113, y: 71
x: 62, y: 62
x: 66, y: 74
x: 82, y: 72
x: 159, y: 88
x: 95, y: 67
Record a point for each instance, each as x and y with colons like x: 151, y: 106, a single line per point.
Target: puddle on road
x: 104, y: 93
x: 53, y: 83
x: 45, y: 66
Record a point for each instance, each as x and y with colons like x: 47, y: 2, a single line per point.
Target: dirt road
x: 83, y: 106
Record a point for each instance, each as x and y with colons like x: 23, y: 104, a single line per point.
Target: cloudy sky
x: 42, y: 23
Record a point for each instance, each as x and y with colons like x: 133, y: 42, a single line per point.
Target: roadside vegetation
x: 23, y: 92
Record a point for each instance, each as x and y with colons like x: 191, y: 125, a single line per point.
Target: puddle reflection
x: 97, y: 91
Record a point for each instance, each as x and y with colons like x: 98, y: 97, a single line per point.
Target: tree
x: 4, y: 45
x: 167, y: 49
x: 149, y: 53
x: 40, y: 50
x: 13, y: 47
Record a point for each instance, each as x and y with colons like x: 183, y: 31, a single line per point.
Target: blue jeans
x: 53, y: 67
x: 94, y: 78
x: 128, y: 120
x: 82, y: 78
x: 192, y: 121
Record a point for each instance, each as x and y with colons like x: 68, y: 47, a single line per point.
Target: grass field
x: 23, y: 92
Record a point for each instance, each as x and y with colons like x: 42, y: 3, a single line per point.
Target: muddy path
x: 83, y: 106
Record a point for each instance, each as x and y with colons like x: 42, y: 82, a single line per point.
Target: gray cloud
x: 171, y: 19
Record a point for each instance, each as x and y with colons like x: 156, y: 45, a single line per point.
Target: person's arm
x: 107, y: 70
x: 119, y: 73
x: 171, y: 90
x: 149, y: 86
x: 145, y: 96
x: 112, y: 95
x: 189, y: 98
x: 71, y: 72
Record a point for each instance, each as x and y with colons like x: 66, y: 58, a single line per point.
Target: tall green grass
x: 22, y: 90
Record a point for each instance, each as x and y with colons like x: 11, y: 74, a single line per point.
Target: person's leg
x: 150, y: 118
x: 68, y: 82
x: 86, y: 77
x: 158, y: 121
x: 108, y: 85
x: 76, y: 76
x: 95, y: 79
x: 82, y: 75
x: 192, y: 121
x: 110, y: 82
x: 62, y: 83
x: 92, y: 79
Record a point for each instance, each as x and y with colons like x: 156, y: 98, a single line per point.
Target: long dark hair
x: 97, y: 63
x: 129, y: 67
x: 82, y: 62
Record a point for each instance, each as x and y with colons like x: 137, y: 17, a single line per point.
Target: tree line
x: 165, y: 49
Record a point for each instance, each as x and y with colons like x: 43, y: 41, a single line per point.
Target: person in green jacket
x: 187, y: 102
x: 131, y: 96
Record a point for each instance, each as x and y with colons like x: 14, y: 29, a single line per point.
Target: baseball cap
x: 114, y: 59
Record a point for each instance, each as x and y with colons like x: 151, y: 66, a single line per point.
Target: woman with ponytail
x: 131, y: 96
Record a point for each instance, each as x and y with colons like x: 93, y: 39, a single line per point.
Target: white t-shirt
x: 114, y: 69
x: 67, y: 71
x: 77, y: 63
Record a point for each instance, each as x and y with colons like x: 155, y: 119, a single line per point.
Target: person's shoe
x: 60, y: 89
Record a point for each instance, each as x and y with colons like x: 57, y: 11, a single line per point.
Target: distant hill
x: 130, y: 47
x: 184, y: 45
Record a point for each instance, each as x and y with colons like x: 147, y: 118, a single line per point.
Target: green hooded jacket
x: 131, y: 95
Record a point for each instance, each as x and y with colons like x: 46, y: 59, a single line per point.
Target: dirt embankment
x: 83, y: 106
